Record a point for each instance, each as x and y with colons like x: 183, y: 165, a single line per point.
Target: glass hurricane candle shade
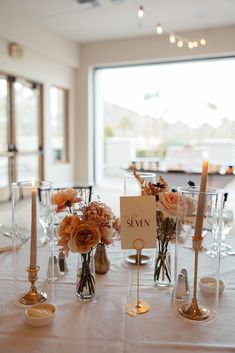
x: 194, y: 298
x: 33, y: 241
x: 132, y: 187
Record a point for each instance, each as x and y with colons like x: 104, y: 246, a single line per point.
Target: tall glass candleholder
x: 132, y: 187
x: 33, y: 242
x: 196, y: 291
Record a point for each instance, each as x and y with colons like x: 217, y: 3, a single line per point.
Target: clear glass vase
x: 162, y: 268
x: 85, y: 289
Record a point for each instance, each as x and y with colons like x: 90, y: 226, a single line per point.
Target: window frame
x: 66, y: 120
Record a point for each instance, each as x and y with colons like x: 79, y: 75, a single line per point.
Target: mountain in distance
x: 123, y: 122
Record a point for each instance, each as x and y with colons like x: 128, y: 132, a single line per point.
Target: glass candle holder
x: 33, y: 242
x: 132, y: 187
x: 196, y: 291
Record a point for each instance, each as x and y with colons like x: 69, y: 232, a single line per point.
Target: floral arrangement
x: 82, y: 231
x: 171, y: 209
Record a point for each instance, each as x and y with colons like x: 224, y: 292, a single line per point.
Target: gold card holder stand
x: 133, y: 259
x: 139, y: 306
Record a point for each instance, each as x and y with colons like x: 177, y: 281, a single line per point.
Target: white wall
x: 51, y: 60
x: 22, y: 30
x: 220, y: 42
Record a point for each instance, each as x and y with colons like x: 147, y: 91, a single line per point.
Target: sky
x: 194, y: 92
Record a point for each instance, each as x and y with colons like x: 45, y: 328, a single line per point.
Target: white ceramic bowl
x: 208, y: 285
x: 40, y: 314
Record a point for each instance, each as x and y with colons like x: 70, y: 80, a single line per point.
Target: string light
x: 190, y: 44
x: 159, y: 29
x: 202, y: 41
x: 141, y: 11
x: 180, y: 43
x: 173, y: 37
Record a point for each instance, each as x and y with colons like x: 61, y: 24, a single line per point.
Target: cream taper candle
x: 201, y: 198
x: 33, y: 244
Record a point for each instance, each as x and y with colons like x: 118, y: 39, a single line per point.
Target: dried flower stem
x: 86, y: 279
x: 161, y: 262
x: 166, y: 228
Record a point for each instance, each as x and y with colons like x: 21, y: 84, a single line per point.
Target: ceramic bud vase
x: 85, y: 289
x: 102, y: 263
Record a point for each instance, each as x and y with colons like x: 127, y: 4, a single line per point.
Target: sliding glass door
x: 21, y: 144
x: 4, y: 160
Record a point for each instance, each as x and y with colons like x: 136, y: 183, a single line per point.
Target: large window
x: 165, y: 115
x: 59, y: 123
x: 21, y: 140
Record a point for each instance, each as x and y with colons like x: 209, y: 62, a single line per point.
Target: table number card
x: 138, y: 220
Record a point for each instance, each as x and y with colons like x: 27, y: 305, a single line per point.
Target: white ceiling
x: 118, y: 18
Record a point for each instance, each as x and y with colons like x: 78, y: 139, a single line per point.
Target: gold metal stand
x: 33, y: 296
x: 194, y: 311
x: 138, y: 307
x: 133, y: 259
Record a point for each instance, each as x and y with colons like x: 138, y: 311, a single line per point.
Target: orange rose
x: 64, y: 195
x: 84, y: 237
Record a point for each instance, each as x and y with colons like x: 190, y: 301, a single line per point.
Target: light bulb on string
x: 202, y: 41
x: 159, y: 29
x: 141, y: 11
x: 195, y: 44
x: 180, y: 43
x: 172, y: 38
x: 190, y: 45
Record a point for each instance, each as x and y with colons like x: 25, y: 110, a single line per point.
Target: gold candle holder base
x: 33, y: 296
x: 193, y: 311
x: 139, y: 307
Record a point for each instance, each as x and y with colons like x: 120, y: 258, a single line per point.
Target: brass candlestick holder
x: 194, y: 311
x: 33, y: 296
x: 139, y: 306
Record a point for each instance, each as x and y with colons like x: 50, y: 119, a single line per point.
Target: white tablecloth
x: 103, y: 326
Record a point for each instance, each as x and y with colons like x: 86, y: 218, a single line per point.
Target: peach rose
x: 63, y: 196
x: 107, y: 235
x: 66, y: 227
x: 169, y: 202
x: 100, y: 213
x: 84, y: 237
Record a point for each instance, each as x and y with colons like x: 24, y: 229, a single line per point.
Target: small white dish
x: 208, y: 285
x: 40, y: 314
